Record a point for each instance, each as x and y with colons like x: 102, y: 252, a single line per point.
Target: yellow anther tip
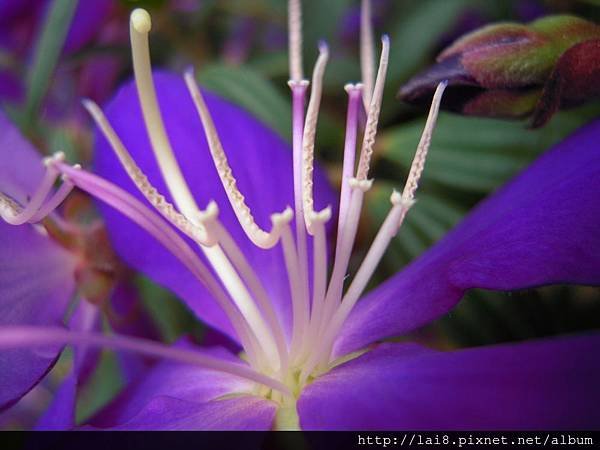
x: 140, y: 20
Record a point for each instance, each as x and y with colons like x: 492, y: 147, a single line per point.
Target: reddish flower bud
x: 513, y: 70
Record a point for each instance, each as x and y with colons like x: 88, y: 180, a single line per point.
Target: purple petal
x: 36, y: 274
x: 129, y: 318
x: 87, y: 21
x: 542, y: 228
x: 11, y: 88
x: 261, y: 163
x: 244, y: 413
x: 21, y: 167
x: 60, y: 415
x: 36, y: 283
x: 177, y: 381
x: 538, y: 385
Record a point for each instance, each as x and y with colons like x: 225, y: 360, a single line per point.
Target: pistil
x: 140, y: 26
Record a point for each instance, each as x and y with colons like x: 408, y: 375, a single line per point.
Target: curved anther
x: 8, y: 207
x: 308, y: 139
x: 258, y: 236
x: 418, y: 164
x: 156, y: 199
x: 57, y: 198
x: 208, y: 219
x: 281, y: 219
x: 373, y: 114
x: 13, y: 214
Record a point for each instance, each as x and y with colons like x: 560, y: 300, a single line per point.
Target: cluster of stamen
x: 44, y: 200
x: 284, y: 365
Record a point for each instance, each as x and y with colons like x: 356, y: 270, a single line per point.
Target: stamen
x: 389, y: 229
x: 367, y: 55
x: 259, y: 237
x: 295, y: 39
x: 418, y: 163
x: 319, y: 273
x: 198, y: 233
x: 300, y: 306
x: 59, y: 196
x: 157, y: 228
x: 139, y: 28
x: 256, y: 288
x: 8, y: 207
x: 360, y: 185
x: 298, y: 86
x: 373, y: 114
x: 30, y: 336
x: 308, y: 140
x: 354, y: 95
x: 14, y: 217
x: 140, y: 25
x: 340, y: 263
x: 198, y: 230
x: 298, y: 89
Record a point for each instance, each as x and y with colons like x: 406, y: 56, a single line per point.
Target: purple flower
x: 42, y: 268
x: 257, y: 272
x: 36, y: 274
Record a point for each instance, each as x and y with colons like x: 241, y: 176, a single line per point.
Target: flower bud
x: 513, y: 70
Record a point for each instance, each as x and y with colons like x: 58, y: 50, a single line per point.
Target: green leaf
x: 476, y: 154
x: 320, y: 22
x: 250, y: 90
x: 272, y: 64
x: 170, y: 315
x: 415, y: 35
x: 47, y: 52
x: 105, y: 383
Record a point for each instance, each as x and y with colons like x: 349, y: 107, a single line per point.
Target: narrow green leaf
x: 105, y: 383
x: 319, y: 23
x: 415, y: 34
x: 47, y: 52
x: 171, y: 317
x: 476, y: 154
